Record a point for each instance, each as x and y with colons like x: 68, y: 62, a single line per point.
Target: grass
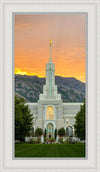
x: 50, y: 150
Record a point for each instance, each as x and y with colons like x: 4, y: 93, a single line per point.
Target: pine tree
x: 61, y: 132
x: 55, y: 133
x: 80, y: 123
x: 38, y: 132
x: 23, y: 119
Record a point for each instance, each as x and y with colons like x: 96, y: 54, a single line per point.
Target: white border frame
x: 86, y: 96
x: 93, y: 9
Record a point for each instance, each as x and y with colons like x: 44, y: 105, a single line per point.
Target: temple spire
x: 50, y: 60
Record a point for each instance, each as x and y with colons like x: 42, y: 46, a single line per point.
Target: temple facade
x: 50, y: 112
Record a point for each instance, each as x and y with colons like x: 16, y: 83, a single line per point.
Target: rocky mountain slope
x: 29, y: 87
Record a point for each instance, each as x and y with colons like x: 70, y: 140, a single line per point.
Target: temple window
x: 50, y: 113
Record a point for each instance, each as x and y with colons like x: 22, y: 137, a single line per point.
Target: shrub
x: 34, y: 141
x: 45, y: 133
x: 66, y: 140
x: 38, y: 132
x: 61, y: 132
x: 38, y: 140
x: 45, y: 139
x: 30, y: 141
x: 51, y: 139
x: 70, y: 140
x: 61, y: 140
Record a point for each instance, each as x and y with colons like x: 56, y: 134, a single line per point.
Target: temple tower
x: 50, y: 89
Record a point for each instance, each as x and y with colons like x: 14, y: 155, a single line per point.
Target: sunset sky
x: 32, y: 34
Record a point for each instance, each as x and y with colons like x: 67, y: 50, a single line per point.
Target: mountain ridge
x: 29, y: 87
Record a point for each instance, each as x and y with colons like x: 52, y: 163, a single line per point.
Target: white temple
x: 50, y: 112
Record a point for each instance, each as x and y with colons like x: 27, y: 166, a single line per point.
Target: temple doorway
x: 50, y: 130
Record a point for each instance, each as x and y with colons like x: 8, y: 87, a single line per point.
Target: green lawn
x: 50, y: 150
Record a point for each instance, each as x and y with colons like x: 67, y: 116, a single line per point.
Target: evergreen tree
x: 55, y: 133
x: 23, y: 119
x: 38, y: 132
x: 80, y: 123
x: 45, y: 133
x: 61, y: 132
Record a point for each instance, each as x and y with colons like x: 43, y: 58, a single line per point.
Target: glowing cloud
x: 32, y: 35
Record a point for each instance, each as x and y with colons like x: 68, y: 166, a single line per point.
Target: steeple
x: 50, y: 60
x: 50, y: 89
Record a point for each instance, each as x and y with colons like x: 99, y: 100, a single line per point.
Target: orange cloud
x: 32, y: 34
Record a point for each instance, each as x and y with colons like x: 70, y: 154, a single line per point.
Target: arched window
x: 69, y: 131
x: 50, y: 113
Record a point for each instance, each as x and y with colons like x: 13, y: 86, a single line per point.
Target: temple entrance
x: 50, y: 130
x: 49, y: 135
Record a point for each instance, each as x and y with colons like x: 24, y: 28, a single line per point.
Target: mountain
x: 29, y: 87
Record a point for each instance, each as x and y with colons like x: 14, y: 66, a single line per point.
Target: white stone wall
x: 64, y: 113
x: 39, y: 124
x: 33, y: 107
x: 60, y: 123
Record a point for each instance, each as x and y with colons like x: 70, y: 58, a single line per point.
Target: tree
x: 61, y: 132
x: 38, y: 132
x: 23, y: 119
x: 55, y: 133
x: 45, y: 133
x: 80, y: 123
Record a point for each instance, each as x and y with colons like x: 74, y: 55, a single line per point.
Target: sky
x: 32, y: 50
